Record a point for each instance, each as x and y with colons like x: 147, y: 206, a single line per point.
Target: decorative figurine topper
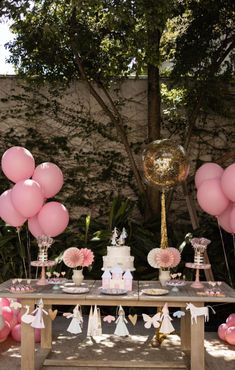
x: 123, y: 236
x: 118, y: 240
x: 114, y: 236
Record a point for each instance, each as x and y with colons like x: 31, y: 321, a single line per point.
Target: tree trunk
x: 154, y: 118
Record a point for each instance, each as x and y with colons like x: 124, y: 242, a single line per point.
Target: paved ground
x: 109, y: 347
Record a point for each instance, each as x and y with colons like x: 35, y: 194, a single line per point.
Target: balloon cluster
x: 10, y: 322
x: 216, y: 193
x: 226, y: 331
x: 26, y: 200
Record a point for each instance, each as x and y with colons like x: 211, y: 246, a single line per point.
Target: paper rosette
x: 73, y: 257
x: 163, y: 258
x: 177, y: 256
x: 88, y: 257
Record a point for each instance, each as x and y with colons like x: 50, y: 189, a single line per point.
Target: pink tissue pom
x: 73, y: 257
x: 177, y: 256
x: 88, y: 257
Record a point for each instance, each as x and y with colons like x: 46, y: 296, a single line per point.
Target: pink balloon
x: 27, y: 197
x: 206, y: 172
x: 16, y: 334
x: 3, y: 339
x: 211, y: 197
x: 53, y: 218
x: 18, y: 163
x: 9, y: 316
x: 232, y: 220
x: 4, y: 332
x: 230, y: 335
x: 8, y: 212
x: 228, y: 182
x: 34, y: 227
x: 50, y: 177
x: 4, y: 302
x: 221, y: 331
x: 230, y: 320
x: 224, y: 219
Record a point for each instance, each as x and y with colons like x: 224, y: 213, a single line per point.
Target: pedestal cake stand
x: 43, y: 265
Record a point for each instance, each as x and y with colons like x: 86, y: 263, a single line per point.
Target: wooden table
x: 192, y: 336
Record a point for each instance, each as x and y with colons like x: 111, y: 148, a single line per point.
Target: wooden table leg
x: 197, y: 344
x: 46, y: 334
x: 27, y: 341
x: 185, y: 331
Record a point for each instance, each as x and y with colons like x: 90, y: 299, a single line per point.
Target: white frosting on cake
x: 118, y: 256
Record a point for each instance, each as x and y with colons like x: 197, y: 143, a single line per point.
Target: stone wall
x: 70, y: 129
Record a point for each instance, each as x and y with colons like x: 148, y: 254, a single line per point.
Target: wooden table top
x: 135, y: 297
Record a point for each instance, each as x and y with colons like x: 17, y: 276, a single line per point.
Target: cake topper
x: 118, y: 240
x: 114, y: 236
x: 123, y: 236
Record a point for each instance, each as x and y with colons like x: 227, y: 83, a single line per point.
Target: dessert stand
x: 44, y: 243
x: 199, y: 245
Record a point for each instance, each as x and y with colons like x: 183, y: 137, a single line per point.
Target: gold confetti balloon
x: 165, y: 163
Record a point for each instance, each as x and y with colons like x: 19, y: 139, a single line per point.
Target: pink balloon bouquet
x: 8, y: 212
x: 206, y: 172
x: 34, y: 227
x: 228, y: 182
x: 53, y: 218
x: 50, y: 177
x: 17, y: 163
x: 221, y: 331
x: 232, y: 220
x: 224, y: 219
x: 16, y: 334
x: 27, y: 197
x: 211, y: 197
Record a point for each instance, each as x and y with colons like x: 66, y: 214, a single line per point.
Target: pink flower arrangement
x: 164, y: 258
x: 74, y: 257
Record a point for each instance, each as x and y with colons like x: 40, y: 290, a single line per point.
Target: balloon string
x: 225, y: 256
x: 22, y: 252
x: 234, y: 244
x: 164, y: 239
x: 28, y: 252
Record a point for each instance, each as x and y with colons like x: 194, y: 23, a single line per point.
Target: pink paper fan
x: 88, y: 257
x: 164, y: 258
x: 73, y: 257
x: 177, y: 256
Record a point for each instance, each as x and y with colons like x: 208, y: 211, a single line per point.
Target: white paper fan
x: 152, y: 257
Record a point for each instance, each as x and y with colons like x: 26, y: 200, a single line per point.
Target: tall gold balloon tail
x: 157, y: 339
x: 164, y: 238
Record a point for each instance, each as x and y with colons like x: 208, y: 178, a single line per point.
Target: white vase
x: 78, y: 277
x: 164, y: 276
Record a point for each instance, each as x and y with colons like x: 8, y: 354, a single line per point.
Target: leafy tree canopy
x: 109, y: 37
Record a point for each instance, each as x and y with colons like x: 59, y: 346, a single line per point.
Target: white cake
x: 118, y: 256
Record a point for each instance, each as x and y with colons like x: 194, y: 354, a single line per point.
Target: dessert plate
x: 75, y: 290
x: 114, y: 291
x: 155, y: 291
